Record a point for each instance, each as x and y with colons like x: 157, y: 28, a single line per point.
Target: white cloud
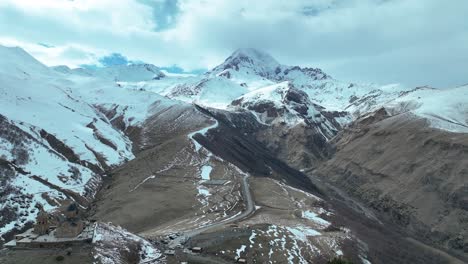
x: 118, y: 17
x: 376, y: 40
x: 72, y: 55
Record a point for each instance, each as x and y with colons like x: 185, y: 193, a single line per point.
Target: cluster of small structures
x: 175, y: 243
x: 60, y: 229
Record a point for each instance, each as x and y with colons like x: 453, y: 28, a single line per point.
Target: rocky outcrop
x: 296, y: 130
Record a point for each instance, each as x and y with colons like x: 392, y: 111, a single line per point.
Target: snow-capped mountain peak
x: 253, y: 56
x: 248, y: 60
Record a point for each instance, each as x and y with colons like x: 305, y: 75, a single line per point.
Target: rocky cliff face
x: 411, y: 174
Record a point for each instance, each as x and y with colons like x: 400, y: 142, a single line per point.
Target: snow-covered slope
x: 54, y: 140
x: 446, y: 109
x: 17, y: 62
x: 124, y: 73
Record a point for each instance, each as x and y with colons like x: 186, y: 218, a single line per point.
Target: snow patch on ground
x: 302, y: 232
x: 315, y: 218
x: 205, y: 172
x: 203, y: 190
x: 203, y: 132
x: 240, y: 250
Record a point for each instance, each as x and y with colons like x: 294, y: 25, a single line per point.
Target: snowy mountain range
x: 250, y: 73
x: 62, y: 129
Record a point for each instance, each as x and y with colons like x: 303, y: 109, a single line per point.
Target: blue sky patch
x: 114, y: 59
x: 165, y: 13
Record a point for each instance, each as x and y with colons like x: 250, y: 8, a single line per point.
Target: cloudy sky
x: 414, y: 42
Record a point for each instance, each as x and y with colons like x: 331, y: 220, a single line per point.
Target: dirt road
x: 250, y: 208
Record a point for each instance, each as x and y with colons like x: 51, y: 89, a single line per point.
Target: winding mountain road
x: 249, y: 203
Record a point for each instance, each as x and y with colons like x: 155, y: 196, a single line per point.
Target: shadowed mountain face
x: 231, y: 141
x: 250, y: 156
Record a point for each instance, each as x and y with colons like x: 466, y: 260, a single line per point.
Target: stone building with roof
x: 60, y: 229
x: 69, y: 224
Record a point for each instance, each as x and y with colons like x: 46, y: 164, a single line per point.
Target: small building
x: 196, y: 249
x: 70, y: 225
x: 169, y: 252
x: 57, y: 230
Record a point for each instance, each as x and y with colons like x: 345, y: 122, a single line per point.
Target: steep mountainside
x: 412, y: 174
x: 55, y: 142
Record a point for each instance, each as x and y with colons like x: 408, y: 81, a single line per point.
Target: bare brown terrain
x: 410, y: 174
x: 159, y: 187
